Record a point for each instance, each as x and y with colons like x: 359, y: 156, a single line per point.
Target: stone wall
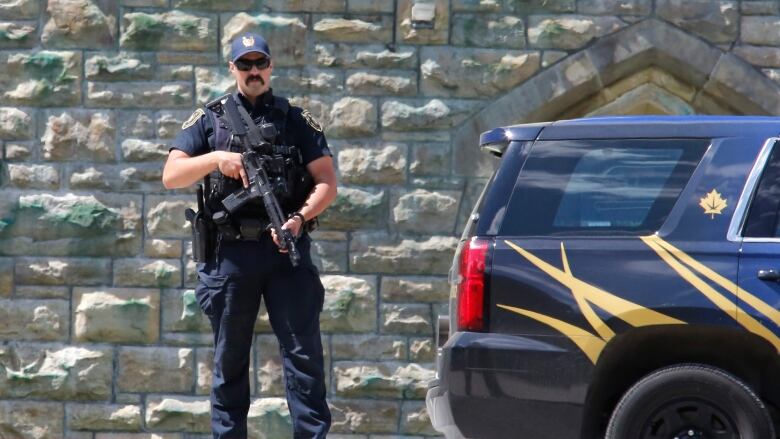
x: 101, y: 331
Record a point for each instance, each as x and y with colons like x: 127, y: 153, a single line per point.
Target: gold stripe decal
x: 677, y: 259
x: 585, y: 295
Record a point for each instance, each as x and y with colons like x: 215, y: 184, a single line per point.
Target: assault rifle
x: 260, y: 187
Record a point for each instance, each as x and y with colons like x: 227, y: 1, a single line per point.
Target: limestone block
x: 188, y: 58
x: 306, y: 5
x: 181, y: 413
x: 269, y: 418
x: 550, y: 57
x: 46, y: 320
x: 16, y: 124
x: 350, y: 304
x: 119, y: 178
x: 415, y: 419
x: 328, y: 256
x: 18, y: 35
x: 365, y: 56
x: 57, y: 372
x: 121, y: 67
x: 760, y: 7
x: 155, y: 369
x: 135, y: 150
x: 18, y: 151
x: 474, y: 72
x: 426, y: 212
x: 174, y: 73
x: 355, y: 208
x: 62, y: 271
x: 381, y: 164
x: 204, y: 363
x: 140, y: 435
x: 568, y: 31
x: 369, y: 7
x: 165, y: 216
x: 761, y: 56
x: 615, y: 7
x: 716, y: 21
x: 211, y: 83
x: 7, y: 277
x: 760, y: 31
x: 352, y: 117
x: 31, y: 420
x: 80, y: 23
x: 181, y: 313
x: 80, y: 135
x: 368, y: 347
x: 414, y: 319
x: 147, y: 273
x: 342, y: 30
x: 169, y: 123
x: 728, y: 82
x: 40, y: 291
x: 20, y: 9
x: 116, y: 315
x: 382, y: 83
x: 476, y: 5
x: 61, y: 225
x: 364, y: 416
x: 162, y: 248
x: 33, y: 176
x: 287, y: 34
x: 104, y: 417
x: 430, y: 159
x: 302, y: 81
x: 139, y: 94
x: 407, y: 33
x: 136, y: 124
x: 415, y: 289
x: 42, y: 78
x: 536, y: 6
x: 480, y: 30
x: 213, y: 5
x: 174, y: 30
x: 364, y: 379
x: 422, y: 350
x: 431, y: 115
x: 374, y: 252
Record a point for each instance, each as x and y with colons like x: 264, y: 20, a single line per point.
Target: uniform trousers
x: 230, y: 287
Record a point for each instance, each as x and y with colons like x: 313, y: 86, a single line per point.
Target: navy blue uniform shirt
x: 300, y: 131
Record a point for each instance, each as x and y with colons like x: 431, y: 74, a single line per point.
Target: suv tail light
x: 471, y: 286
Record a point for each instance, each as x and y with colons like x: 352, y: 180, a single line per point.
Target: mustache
x: 255, y: 78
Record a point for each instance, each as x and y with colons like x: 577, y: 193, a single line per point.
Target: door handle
x: 769, y: 275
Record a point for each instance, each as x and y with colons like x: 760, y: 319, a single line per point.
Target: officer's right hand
x: 230, y: 164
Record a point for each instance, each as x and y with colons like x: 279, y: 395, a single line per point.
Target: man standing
x: 244, y: 260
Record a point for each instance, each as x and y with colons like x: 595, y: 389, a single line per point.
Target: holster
x: 201, y: 236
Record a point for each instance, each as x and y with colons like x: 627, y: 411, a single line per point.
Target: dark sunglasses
x: 245, y: 65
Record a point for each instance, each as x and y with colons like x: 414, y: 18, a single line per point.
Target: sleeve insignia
x: 197, y: 114
x: 311, y: 120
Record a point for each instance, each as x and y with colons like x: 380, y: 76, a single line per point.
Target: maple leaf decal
x: 713, y: 204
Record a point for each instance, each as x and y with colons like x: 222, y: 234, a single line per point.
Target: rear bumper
x: 499, y: 386
x: 439, y: 411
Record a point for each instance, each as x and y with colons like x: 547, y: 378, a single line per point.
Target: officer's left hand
x: 294, y: 225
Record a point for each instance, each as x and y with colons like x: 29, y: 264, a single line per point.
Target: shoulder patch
x: 197, y: 114
x: 311, y: 120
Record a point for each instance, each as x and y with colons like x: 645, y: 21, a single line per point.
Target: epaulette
x: 218, y: 105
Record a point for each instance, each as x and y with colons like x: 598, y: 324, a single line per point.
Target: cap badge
x: 248, y: 41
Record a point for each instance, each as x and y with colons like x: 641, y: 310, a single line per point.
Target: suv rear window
x: 598, y: 187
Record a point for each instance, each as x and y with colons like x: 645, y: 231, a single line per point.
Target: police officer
x: 246, y: 262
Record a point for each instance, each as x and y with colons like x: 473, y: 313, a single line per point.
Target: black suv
x: 619, y: 277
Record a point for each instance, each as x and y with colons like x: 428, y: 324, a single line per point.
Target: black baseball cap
x: 248, y: 42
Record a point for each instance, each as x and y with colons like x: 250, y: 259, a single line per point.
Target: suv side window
x: 762, y: 219
x: 600, y: 187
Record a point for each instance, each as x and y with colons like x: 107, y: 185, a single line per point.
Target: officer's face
x: 256, y: 80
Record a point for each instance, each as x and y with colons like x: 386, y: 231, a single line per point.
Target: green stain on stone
x: 146, y: 23
x: 189, y: 305
x: 343, y: 302
x: 370, y: 380
x: 4, y: 224
x: 19, y: 376
x: 188, y: 27
x: 162, y: 273
x: 551, y: 31
x: 44, y: 61
x: 50, y: 68
x: 135, y: 304
x: 85, y: 215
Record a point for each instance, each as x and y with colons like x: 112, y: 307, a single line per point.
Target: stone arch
x: 650, y: 63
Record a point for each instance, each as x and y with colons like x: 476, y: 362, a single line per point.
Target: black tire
x: 690, y: 398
